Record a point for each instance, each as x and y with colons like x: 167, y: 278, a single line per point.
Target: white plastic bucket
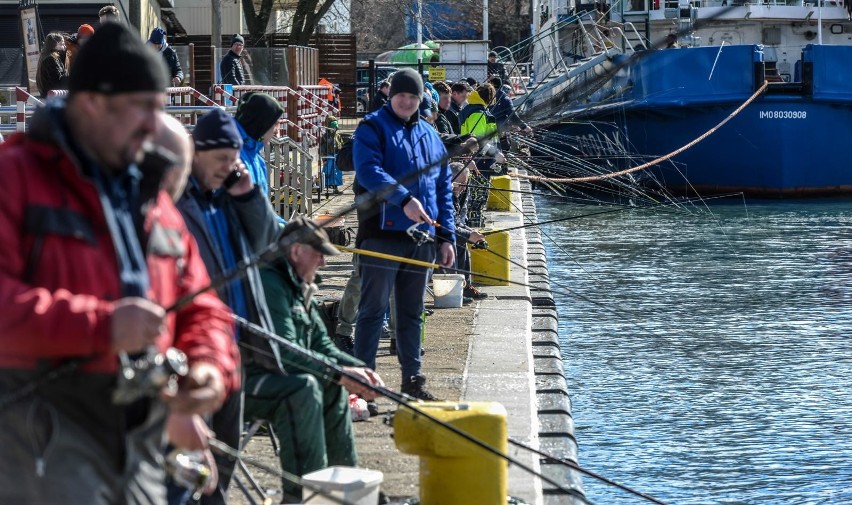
x: 357, y: 486
x: 448, y: 290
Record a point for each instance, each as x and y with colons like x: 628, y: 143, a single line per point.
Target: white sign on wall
x: 32, y: 45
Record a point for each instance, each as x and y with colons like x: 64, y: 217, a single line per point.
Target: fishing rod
x: 408, y: 402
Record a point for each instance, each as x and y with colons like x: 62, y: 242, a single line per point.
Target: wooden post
x: 213, y: 65
x: 134, y: 15
x: 192, y: 65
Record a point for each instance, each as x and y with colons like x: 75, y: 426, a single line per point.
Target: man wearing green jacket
x: 308, y: 407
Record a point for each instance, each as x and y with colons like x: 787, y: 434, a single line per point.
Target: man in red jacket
x: 91, y: 254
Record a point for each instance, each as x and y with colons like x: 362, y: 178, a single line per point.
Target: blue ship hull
x: 791, y: 140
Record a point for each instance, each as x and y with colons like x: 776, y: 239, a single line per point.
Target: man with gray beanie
x: 91, y: 251
x: 401, y: 158
x: 231, y: 69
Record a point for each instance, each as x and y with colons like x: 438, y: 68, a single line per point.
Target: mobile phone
x: 232, y: 179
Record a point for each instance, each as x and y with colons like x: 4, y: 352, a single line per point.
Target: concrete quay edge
x: 514, y: 358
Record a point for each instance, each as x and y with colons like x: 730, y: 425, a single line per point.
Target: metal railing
x: 289, y: 167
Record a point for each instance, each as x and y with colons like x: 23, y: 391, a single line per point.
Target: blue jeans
x: 463, y: 261
x: 380, y: 278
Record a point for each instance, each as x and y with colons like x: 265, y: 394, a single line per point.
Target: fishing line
x: 399, y: 398
x: 583, y: 169
x: 565, y: 290
x: 660, y: 205
x: 670, y: 155
x: 543, y: 232
x: 329, y: 200
x: 409, y: 403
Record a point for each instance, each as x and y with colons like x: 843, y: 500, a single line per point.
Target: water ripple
x: 719, y: 371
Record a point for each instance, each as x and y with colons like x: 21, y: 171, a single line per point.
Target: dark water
x: 737, y: 388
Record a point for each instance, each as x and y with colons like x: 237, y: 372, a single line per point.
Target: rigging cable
x: 657, y: 161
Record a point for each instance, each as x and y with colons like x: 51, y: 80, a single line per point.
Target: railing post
x: 21, y: 112
x: 287, y: 178
x: 213, y: 64
x: 309, y: 180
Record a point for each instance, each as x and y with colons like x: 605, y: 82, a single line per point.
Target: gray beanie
x: 406, y: 80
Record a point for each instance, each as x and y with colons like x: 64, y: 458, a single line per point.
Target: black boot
x: 345, y: 343
x: 416, y: 387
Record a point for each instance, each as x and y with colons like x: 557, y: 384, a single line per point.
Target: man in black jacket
x: 381, y: 96
x: 230, y: 67
x: 448, y: 121
x: 158, y: 40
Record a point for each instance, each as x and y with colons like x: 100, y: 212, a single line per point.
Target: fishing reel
x: 419, y: 236
x: 482, y: 244
x: 492, y: 150
x: 145, y: 375
x: 189, y: 470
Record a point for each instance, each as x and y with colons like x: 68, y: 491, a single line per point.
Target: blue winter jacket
x: 252, y: 156
x: 394, y: 164
x: 504, y: 111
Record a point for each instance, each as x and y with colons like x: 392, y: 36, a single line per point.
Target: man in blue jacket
x: 402, y: 159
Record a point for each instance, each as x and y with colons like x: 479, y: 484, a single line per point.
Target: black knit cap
x: 115, y: 60
x: 237, y: 38
x: 257, y: 112
x: 216, y: 130
x: 406, y: 80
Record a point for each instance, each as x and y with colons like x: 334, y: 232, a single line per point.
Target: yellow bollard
x: 498, y: 198
x: 454, y: 471
x: 487, y: 262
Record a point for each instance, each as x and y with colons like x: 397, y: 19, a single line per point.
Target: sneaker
x: 416, y: 387
x: 472, y: 292
x: 373, y: 409
x: 345, y: 343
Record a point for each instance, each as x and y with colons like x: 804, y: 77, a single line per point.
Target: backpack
x: 340, y: 235
x: 328, y: 311
x: 345, y: 161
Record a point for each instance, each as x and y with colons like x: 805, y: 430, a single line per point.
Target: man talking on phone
x: 232, y: 221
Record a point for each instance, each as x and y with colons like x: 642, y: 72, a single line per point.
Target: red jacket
x: 59, y: 273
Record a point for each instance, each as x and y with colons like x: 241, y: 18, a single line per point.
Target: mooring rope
x: 657, y: 161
